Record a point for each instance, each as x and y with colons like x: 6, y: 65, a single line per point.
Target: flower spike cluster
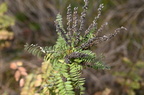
x: 75, y: 27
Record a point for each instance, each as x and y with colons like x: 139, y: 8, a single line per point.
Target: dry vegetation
x: 34, y: 23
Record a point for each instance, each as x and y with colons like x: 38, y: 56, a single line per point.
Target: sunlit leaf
x: 140, y: 64
x: 3, y: 8
x: 127, y: 61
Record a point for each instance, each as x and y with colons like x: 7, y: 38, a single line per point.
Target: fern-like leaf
x: 77, y: 81
x: 35, y: 50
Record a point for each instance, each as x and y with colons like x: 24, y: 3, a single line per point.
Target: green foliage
x: 5, y: 22
x: 21, y: 17
x: 130, y: 80
x: 3, y: 8
x: 64, y: 62
x: 34, y: 49
x: 34, y: 26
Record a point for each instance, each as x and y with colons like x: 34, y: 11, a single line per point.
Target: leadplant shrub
x: 64, y: 62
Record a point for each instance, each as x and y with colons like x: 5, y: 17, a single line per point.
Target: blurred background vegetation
x: 32, y: 21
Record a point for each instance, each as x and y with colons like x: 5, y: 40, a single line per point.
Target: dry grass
x: 32, y: 14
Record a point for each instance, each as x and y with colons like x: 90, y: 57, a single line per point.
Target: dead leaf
x: 24, y: 73
x: 36, y: 94
x: 17, y: 75
x: 38, y: 80
x: 21, y: 83
x: 107, y: 91
x: 19, y: 63
x: 13, y: 65
x: 98, y: 93
x: 21, y: 69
